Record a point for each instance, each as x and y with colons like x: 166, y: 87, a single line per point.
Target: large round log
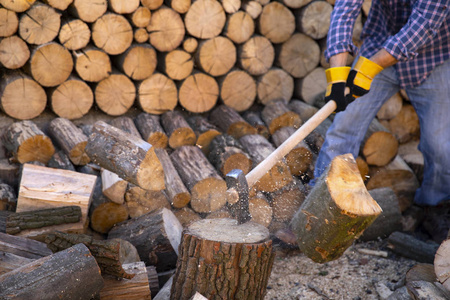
x: 14, y: 52
x: 276, y: 84
x: 205, y: 19
x: 157, y: 94
x: 152, y: 4
x: 59, y: 4
x: 166, y: 29
x: 92, y: 64
x: 297, y: 3
x: 314, y: 19
x: 140, y: 17
x: 17, y: 5
x: 312, y: 87
x: 115, y: 95
x: 198, y: 93
x: 74, y: 34
x: 123, y: 6
x: 237, y: 90
x: 276, y: 22
x: 256, y: 55
x: 112, y: 33
x: 379, y: 146
x: 216, y: 56
x: 40, y: 24
x: 239, y: 27
x: 180, y: 6
x: 9, y: 22
x: 177, y: 64
x: 405, y: 125
x: 138, y: 62
x: 88, y: 10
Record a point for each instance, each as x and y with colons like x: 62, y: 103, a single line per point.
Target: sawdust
x: 353, y: 276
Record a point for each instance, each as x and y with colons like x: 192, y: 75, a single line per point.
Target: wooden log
x: 247, y: 244
x: 92, y: 64
x: 11, y: 262
x: 14, y: 52
x: 123, y: 7
x: 151, y: 130
x: 140, y: 17
x: 239, y: 27
x: 166, y: 29
x: 227, y: 154
x: 112, y: 33
x: 363, y: 168
x: 391, y: 107
x: 216, y: 56
x: 286, y: 201
x: 178, y: 130
x: 8, y: 198
x: 408, y: 246
x: 427, y: 290
x: 109, y: 254
x: 129, y: 157
x: 276, y: 115
x: 303, y: 109
x: 74, y: 272
x: 71, y: 140
x: 115, y: 94
x: 276, y: 84
x: 204, y: 131
x: 74, y: 34
x: 237, y: 90
x: 254, y: 119
x: 126, y: 124
x: 441, y: 265
x: 312, y: 87
x: 296, y: 3
x: 205, y: 19
x: 20, y: 221
x: 153, y: 281
x: 157, y: 94
x: 60, y: 160
x: 379, y: 146
x: 155, y: 235
x: 9, y: 172
x: 276, y: 22
x: 113, y: 186
x: 299, y: 55
x: 180, y: 6
x: 87, y: 10
x: 206, y: 186
x: 138, y: 62
x: 398, y: 176
x: 405, y: 125
x: 421, y: 271
x: 412, y: 156
x: 135, y: 288
x: 260, y: 210
x: 314, y: 19
x: 58, y: 4
x: 21, y: 97
x: 72, y: 99
x: 9, y: 22
x: 140, y: 202
x: 253, y: 8
x: 198, y: 93
x: 40, y: 24
x: 230, y: 122
x: 27, y: 142
x: 190, y: 44
x: 259, y: 148
x: 140, y: 35
x: 231, y: 6
x: 23, y: 247
x: 186, y: 216
x: 49, y: 73
x: 300, y: 157
x: 17, y: 6
x: 152, y: 4
x: 177, y: 64
x: 106, y: 215
x: 335, y: 213
x: 256, y: 55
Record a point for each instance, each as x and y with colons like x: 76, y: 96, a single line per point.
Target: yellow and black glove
x: 361, y: 76
x: 336, y: 82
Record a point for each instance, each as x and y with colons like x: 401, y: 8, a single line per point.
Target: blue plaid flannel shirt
x: 415, y: 32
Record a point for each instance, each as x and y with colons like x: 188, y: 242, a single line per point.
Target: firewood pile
x: 149, y: 105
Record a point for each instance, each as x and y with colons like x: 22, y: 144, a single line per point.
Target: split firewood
x: 391, y: 107
x: 23, y: 247
x: 441, y: 264
x: 129, y: 157
x: 140, y: 202
x: 300, y: 157
x: 177, y: 129
x: 155, y: 235
x: 20, y: 221
x: 398, y: 176
x: 389, y: 220
x: 71, y: 139
x: 427, y: 290
x: 379, y: 146
x: 134, y: 288
x: 106, y: 215
x: 276, y: 84
x: 260, y: 210
x: 254, y: 119
x: 335, y: 213
x: 247, y: 243
x: 256, y: 55
x: 227, y: 154
x: 408, y: 246
x: 286, y: 201
x: 176, y: 64
x: 74, y: 272
x: 92, y: 64
x: 74, y: 34
x: 205, y: 19
x: 26, y: 142
x: 9, y: 22
x: 112, y: 33
x: 276, y: 115
x: 198, y: 93
x: 230, y: 122
x: 14, y: 52
x: 239, y: 27
x: 314, y: 19
x: 8, y: 198
x: 312, y: 87
x: 237, y: 90
x: 157, y: 94
x: 206, y: 186
x: 186, y: 216
x: 87, y: 10
x: 204, y: 131
x: 190, y: 44
x: 21, y: 97
x: 67, y: 188
x: 166, y: 29
x: 412, y: 156
x: 126, y: 124
x: 405, y: 125
x: 150, y: 128
x: 40, y: 24
x: 140, y: 35
x: 363, y: 167
x: 140, y: 17
x: 113, y: 186
x: 276, y: 22
x: 259, y: 148
x: 180, y: 6
x: 138, y: 61
x: 109, y: 254
x: 11, y: 262
x: 216, y: 56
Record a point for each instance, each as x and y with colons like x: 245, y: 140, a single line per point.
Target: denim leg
x: 349, y: 127
x: 431, y: 101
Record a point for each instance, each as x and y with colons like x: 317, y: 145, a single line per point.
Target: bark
x: 123, y: 7
x: 230, y: 122
x: 126, y: 124
x: 11, y: 262
x: 204, y: 131
x: 23, y: 247
x: 8, y: 198
x: 113, y: 186
x: 60, y: 160
x: 408, y: 246
x: 178, y: 130
x: 151, y: 130
x: 276, y: 115
x: 254, y: 119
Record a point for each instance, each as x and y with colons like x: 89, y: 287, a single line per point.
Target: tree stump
x: 223, y: 260
x: 40, y: 24
x: 151, y: 130
x: 157, y: 94
x: 198, y: 93
x: 205, y: 19
x: 256, y: 55
x: 14, y: 52
x: 92, y: 64
x: 237, y: 90
x: 230, y: 122
x: 178, y: 129
x: 166, y: 29
x: 112, y: 33
x: 335, y: 213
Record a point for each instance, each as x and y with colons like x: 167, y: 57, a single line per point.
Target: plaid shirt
x: 415, y: 32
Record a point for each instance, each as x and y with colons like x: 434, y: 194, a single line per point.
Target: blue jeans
x: 431, y: 101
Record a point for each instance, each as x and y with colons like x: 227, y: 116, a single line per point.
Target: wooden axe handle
x: 254, y: 175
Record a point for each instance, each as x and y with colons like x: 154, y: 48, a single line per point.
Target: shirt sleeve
x: 424, y: 22
x: 339, y: 38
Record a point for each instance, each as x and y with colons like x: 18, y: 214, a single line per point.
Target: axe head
x: 237, y: 184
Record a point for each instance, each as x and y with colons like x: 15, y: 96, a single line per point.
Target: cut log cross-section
x: 253, y: 117
x: 205, y: 19
x: 276, y: 115
x: 138, y: 62
x: 123, y: 7
x: 198, y: 93
x: 286, y: 201
x: 230, y: 122
x: 139, y: 202
x: 74, y: 34
x: 92, y: 64
x: 312, y: 87
x: 216, y: 56
x: 314, y: 19
x: 166, y: 29
x: 237, y: 90
x: 59, y: 4
x: 177, y: 64
x: 115, y: 94
x: 17, y: 6
x: 276, y: 84
x: 112, y: 33
x: 151, y: 130
x: 113, y: 186
x: 140, y: 17
x: 256, y: 55
x: 379, y: 146
x: 14, y: 52
x: 9, y: 22
x: 88, y: 10
x: 276, y: 22
x: 335, y: 213
x: 157, y: 94
x: 239, y: 27
x: 177, y: 129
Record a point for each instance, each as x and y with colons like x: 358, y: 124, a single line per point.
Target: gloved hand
x: 336, y: 81
x: 361, y: 76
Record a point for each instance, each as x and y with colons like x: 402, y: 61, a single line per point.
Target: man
x: 406, y: 44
